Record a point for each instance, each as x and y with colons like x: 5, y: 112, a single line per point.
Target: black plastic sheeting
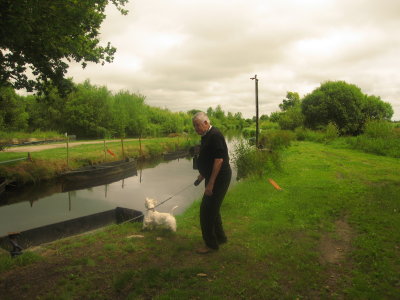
x: 52, y: 232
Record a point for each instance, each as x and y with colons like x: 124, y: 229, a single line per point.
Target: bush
x: 379, y: 129
x: 276, y: 140
x: 250, y: 161
x: 291, y: 118
x: 331, y: 132
x: 268, y: 125
x: 249, y: 131
x: 379, y: 138
x: 303, y: 134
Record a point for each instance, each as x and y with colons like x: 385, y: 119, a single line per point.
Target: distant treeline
x: 90, y: 111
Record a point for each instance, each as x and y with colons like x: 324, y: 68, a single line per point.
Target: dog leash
x: 169, y: 198
x: 174, y: 195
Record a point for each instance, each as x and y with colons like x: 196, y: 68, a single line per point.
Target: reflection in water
x: 46, y: 204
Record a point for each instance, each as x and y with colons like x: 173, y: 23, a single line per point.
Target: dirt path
x: 37, y: 148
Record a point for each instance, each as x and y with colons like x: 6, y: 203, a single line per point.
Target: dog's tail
x: 172, y: 210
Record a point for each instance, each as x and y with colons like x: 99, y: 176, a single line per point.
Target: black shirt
x: 213, y: 146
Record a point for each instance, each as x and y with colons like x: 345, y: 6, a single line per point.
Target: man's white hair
x: 201, y: 116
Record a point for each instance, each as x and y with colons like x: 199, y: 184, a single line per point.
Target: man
x: 213, y: 165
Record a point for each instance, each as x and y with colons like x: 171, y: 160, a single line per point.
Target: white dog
x: 154, y: 218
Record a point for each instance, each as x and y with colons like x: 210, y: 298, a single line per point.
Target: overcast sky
x: 186, y: 54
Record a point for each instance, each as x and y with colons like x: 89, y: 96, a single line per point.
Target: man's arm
x: 215, y: 171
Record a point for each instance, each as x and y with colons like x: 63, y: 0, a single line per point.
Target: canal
x: 46, y: 204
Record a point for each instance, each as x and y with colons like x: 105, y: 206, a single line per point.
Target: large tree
x: 343, y: 104
x: 337, y: 102
x: 38, y: 38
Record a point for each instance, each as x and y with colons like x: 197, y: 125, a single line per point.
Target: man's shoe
x: 205, y: 250
x: 223, y: 241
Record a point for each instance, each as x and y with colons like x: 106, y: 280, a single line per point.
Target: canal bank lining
x: 52, y: 232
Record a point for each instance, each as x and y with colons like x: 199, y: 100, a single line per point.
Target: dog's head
x: 150, y: 203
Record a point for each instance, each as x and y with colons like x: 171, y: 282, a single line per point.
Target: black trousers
x: 210, y: 217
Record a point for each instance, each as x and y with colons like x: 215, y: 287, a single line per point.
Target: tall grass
x: 380, y: 137
x: 304, y: 134
x: 379, y: 129
x: 326, y: 136
x: 275, y: 140
x: 250, y: 161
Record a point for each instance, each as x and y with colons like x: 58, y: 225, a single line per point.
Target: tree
x: 46, y: 111
x: 210, y: 112
x: 88, y: 111
x: 41, y: 36
x: 292, y: 100
x: 192, y: 112
x: 219, y: 113
x: 275, y: 116
x: 13, y: 116
x: 291, y: 118
x: 337, y: 102
x: 127, y: 108
x: 374, y: 108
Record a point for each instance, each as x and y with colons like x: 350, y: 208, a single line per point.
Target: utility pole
x: 256, y: 82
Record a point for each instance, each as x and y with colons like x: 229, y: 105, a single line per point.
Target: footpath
x: 37, y: 148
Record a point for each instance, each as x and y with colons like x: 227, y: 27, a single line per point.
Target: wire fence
x: 13, y: 160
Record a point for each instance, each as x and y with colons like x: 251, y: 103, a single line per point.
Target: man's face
x: 201, y: 127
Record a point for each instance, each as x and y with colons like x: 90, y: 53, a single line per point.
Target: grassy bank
x: 332, y: 232
x: 48, y: 164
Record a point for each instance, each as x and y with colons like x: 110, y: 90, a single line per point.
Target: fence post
x: 122, y: 145
x: 105, y: 153
x: 140, y: 145
x: 67, y: 150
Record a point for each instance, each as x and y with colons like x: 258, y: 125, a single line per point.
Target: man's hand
x: 209, y: 189
x: 198, y: 180
x: 216, y: 168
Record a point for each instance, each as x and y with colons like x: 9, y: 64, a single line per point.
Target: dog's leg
x: 174, y: 227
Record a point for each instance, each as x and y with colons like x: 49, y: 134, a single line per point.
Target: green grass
x: 7, y: 262
x: 275, y: 248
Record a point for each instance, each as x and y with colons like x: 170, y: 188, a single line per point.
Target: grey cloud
x: 221, y: 44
